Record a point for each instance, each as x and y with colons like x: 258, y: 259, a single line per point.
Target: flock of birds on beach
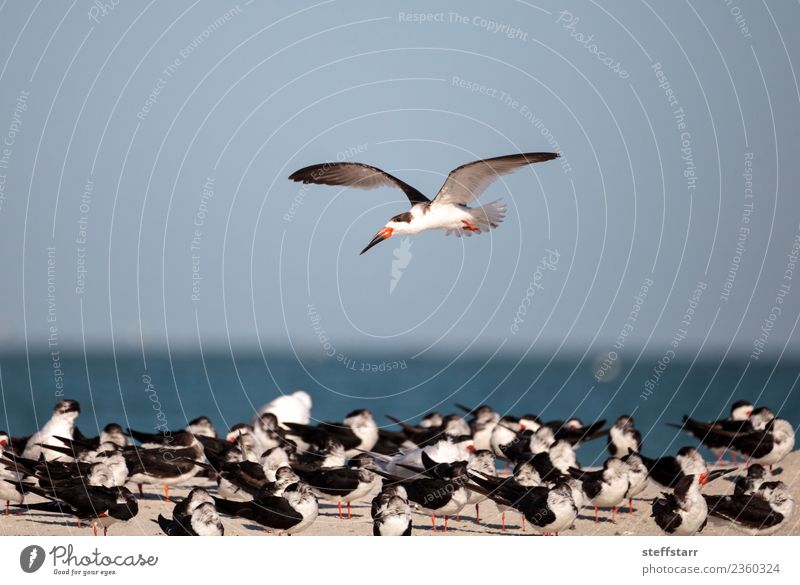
x: 274, y: 470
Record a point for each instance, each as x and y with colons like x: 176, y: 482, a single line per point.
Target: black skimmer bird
x: 11, y: 490
x: 510, y: 440
x: 684, y: 511
x: 342, y: 484
x: 357, y: 432
x: 448, y: 211
x: 637, y: 477
x: 547, y: 510
x: 525, y: 476
x: 448, y: 449
x: 202, y: 426
x: 575, y: 432
x: 623, y: 438
x: 440, y: 489
x: 289, y: 408
x: 245, y: 480
x: 268, y: 432
x: 483, y: 421
x: 759, y: 419
x: 203, y: 521
x: 763, y: 512
x: 546, y: 470
x: 391, y: 513
x: 452, y: 425
x: 331, y: 455
x: 562, y: 456
x: 107, y: 453
x: 748, y: 484
x: 166, y: 466
x: 765, y: 447
x: 195, y: 515
x: 432, y: 419
x: 604, y: 487
x: 709, y: 432
x: 62, y: 424
x: 97, y: 506
x: 111, y: 433
x: 666, y: 471
x: 484, y: 462
x: 15, y: 445
x: 277, y: 457
x: 290, y: 513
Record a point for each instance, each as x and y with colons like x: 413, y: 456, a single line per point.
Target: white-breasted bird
x: 447, y: 211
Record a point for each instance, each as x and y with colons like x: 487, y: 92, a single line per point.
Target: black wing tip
x: 543, y: 156
x: 301, y: 175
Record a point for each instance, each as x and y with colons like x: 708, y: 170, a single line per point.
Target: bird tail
x: 489, y: 216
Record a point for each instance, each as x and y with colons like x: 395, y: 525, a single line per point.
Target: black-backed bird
x: 762, y: 512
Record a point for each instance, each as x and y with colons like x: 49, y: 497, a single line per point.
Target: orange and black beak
x: 712, y: 475
x: 384, y: 234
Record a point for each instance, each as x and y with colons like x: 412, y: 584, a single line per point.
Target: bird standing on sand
x: 447, y: 211
x: 98, y: 506
x: 605, y: 487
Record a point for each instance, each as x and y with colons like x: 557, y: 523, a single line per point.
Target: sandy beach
x: 637, y: 523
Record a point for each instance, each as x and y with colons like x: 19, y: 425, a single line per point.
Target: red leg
x: 340, y: 510
x: 523, y: 521
x: 141, y: 489
x: 166, y: 493
x: 734, y: 456
x: 596, y: 515
x: 630, y: 505
x: 105, y: 530
x: 433, y: 521
x: 445, y: 522
x: 7, y: 508
x: 614, y: 514
x: 94, y: 529
x: 348, y: 511
x: 469, y: 227
x: 477, y: 513
x: 503, y: 516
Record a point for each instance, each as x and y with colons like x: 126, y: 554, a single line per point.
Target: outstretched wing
x: 357, y: 175
x: 467, y: 182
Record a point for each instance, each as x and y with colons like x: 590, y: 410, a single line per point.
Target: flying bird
x: 447, y: 211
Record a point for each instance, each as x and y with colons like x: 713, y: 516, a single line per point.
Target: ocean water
x: 178, y: 387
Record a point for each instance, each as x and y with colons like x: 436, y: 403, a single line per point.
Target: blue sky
x: 150, y: 145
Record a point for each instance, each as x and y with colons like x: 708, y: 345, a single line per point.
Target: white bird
x: 61, y: 424
x: 447, y: 211
x: 289, y: 408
